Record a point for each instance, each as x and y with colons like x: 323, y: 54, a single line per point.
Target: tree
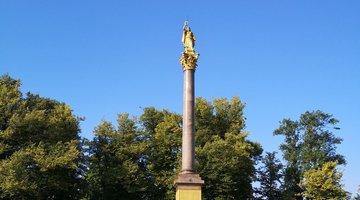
x: 357, y: 197
x: 39, y: 146
x: 138, y: 159
x: 113, y: 165
x: 163, y: 151
x: 225, y: 158
x: 270, y: 177
x: 309, y: 143
x: 323, y: 183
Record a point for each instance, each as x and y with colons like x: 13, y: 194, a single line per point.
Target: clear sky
x: 105, y: 57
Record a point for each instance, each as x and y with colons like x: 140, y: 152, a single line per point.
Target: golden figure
x: 189, y: 57
x: 188, y: 38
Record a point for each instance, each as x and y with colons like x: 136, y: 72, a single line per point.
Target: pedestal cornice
x: 191, y: 179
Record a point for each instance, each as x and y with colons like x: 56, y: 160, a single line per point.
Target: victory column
x: 188, y: 183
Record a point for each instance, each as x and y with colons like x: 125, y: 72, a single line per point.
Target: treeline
x: 42, y: 155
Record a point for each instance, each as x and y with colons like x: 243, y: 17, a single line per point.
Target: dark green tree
x: 270, y: 177
x: 163, y: 151
x: 114, y: 164
x: 138, y: 159
x: 225, y: 158
x: 39, y: 146
x: 308, y: 144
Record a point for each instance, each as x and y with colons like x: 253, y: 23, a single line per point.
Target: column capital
x: 188, y: 60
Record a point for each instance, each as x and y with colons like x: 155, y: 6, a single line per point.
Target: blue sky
x: 106, y: 57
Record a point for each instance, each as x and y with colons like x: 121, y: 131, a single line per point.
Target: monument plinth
x: 188, y: 184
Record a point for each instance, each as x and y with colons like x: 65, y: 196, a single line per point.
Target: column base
x: 188, y: 187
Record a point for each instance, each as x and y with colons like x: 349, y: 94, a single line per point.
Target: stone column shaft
x: 188, y: 140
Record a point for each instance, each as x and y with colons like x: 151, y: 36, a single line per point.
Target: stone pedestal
x: 188, y: 187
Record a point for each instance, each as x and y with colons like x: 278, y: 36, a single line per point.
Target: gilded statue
x: 188, y: 38
x: 189, y: 57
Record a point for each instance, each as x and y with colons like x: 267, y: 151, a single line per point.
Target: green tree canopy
x: 39, y: 146
x: 141, y: 158
x: 137, y: 159
x: 225, y: 158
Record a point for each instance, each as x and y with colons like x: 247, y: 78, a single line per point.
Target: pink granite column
x: 188, y: 138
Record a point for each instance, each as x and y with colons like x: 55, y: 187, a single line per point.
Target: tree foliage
x: 309, y: 144
x: 323, y: 183
x: 39, y: 146
x: 226, y: 159
x: 147, y: 162
x: 113, y: 167
x: 270, y: 177
x: 357, y: 197
x: 137, y: 159
x: 42, y: 156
